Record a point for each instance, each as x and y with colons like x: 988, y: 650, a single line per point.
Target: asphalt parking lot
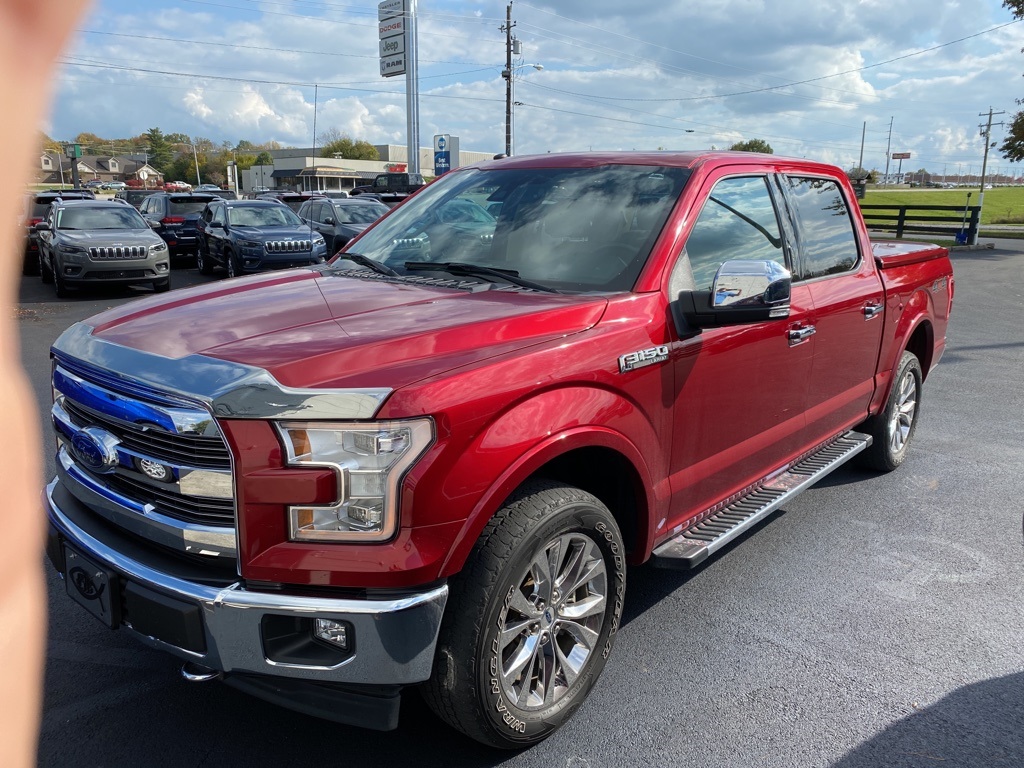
x: 875, y: 621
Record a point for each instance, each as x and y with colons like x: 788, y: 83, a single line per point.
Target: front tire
x: 203, y: 261
x: 231, y: 262
x: 162, y: 286
x: 59, y: 286
x: 44, y: 271
x: 531, y: 619
x: 894, y: 427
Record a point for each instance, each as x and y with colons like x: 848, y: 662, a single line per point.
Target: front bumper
x: 230, y: 628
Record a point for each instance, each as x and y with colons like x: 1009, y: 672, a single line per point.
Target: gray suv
x: 85, y: 242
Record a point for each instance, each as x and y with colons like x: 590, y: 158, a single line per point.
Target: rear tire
x: 531, y: 619
x: 894, y: 427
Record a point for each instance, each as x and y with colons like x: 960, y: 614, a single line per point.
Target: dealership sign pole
x: 396, y: 24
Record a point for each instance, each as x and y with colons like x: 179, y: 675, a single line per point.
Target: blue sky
x: 804, y: 76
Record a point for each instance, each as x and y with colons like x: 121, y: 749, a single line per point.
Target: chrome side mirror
x: 741, y: 283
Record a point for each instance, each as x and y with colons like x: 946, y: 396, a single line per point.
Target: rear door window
x: 828, y: 243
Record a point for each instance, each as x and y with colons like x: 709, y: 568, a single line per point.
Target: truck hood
x: 312, y: 329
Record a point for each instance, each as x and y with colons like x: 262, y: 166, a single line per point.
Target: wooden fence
x: 954, y: 222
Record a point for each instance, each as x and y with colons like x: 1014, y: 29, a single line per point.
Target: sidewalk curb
x: 978, y: 247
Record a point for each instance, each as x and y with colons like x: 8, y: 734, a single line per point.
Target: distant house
x: 55, y: 168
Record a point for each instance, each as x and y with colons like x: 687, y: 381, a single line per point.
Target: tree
x: 345, y: 147
x: 245, y: 146
x: 159, y: 152
x: 263, y: 158
x: 755, y: 145
x: 1013, y: 147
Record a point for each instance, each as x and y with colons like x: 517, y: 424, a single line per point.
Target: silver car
x: 100, y: 242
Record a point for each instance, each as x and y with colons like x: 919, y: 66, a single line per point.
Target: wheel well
x: 921, y: 344
x: 610, y: 477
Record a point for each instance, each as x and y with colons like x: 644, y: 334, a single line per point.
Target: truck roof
x: 663, y: 158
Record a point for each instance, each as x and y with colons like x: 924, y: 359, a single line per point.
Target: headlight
x: 369, y: 460
x: 161, y: 246
x: 318, y: 239
x: 65, y: 248
x: 249, y: 244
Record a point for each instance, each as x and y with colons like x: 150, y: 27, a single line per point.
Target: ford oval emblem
x: 96, y: 449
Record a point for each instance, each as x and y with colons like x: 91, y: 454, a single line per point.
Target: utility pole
x: 507, y: 74
x: 986, y: 134
x: 888, y: 145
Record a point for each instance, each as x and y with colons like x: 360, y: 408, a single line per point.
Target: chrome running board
x: 692, y: 546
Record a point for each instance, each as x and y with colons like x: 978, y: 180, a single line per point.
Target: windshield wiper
x: 365, y: 261
x: 476, y: 270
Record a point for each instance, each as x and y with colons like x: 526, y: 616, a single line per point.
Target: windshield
x: 262, y: 216
x: 112, y: 217
x: 570, y: 229
x: 361, y: 213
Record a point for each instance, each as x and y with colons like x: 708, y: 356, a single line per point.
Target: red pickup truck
x: 430, y: 461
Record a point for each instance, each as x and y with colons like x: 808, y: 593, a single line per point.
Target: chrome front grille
x: 184, y: 450
x: 288, y: 246
x: 156, y: 457
x: 116, y: 253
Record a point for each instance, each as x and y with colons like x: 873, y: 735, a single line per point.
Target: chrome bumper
x: 394, y: 639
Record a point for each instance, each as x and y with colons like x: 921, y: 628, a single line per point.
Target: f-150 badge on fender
x: 643, y: 358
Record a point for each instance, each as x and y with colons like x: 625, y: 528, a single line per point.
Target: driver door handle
x: 800, y: 335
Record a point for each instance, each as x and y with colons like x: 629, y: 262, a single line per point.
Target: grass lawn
x: 1003, y: 205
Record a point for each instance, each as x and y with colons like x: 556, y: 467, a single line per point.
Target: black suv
x: 38, y: 204
x: 293, y: 200
x: 134, y: 196
x: 175, y: 215
x: 340, y: 220
x: 252, y: 235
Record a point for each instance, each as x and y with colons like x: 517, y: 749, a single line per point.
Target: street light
x: 509, y: 73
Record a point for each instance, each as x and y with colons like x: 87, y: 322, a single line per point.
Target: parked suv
x: 252, y: 235
x: 37, y: 207
x: 98, y: 241
x: 293, y: 200
x: 134, y: 197
x: 340, y: 220
x: 174, y: 216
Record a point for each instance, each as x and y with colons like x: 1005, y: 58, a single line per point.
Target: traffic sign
x: 900, y: 155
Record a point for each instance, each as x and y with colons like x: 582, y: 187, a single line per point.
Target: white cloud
x: 615, y: 77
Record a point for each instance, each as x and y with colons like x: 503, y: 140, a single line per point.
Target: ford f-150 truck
x: 430, y: 461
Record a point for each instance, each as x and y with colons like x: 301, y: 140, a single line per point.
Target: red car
x: 177, y: 186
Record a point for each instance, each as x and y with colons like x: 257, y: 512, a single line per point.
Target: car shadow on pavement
x: 967, y: 728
